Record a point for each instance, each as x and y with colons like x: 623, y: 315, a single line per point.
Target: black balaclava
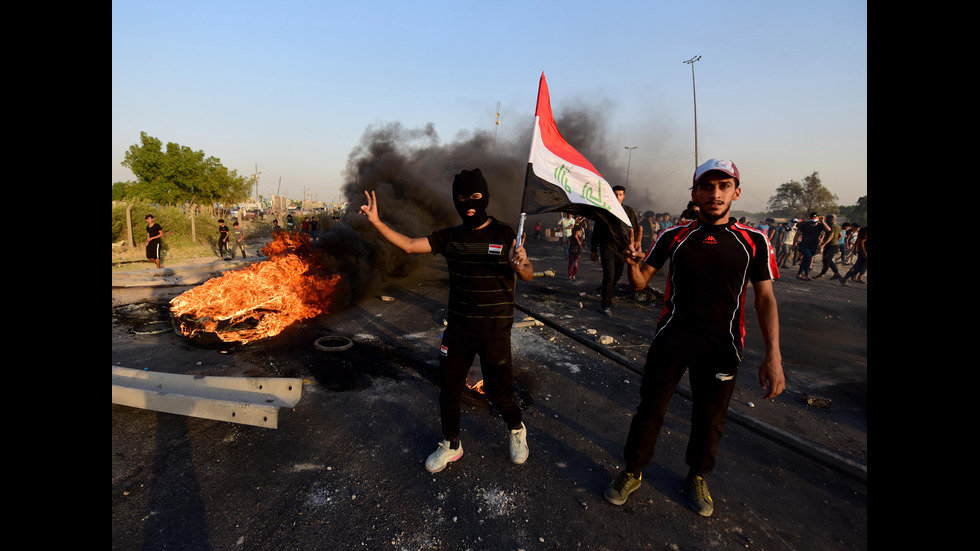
x: 466, y: 183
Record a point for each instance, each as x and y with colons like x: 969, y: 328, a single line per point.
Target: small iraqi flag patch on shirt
x: 495, y: 249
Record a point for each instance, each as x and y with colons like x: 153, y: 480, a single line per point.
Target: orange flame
x: 261, y: 299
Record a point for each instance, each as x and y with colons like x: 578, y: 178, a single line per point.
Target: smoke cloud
x: 411, y: 172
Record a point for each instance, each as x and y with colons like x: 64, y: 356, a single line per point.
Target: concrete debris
x: 818, y: 402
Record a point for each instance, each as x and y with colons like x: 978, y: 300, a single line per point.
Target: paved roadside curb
x: 172, y: 276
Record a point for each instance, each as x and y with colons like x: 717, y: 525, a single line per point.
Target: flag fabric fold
x: 560, y: 179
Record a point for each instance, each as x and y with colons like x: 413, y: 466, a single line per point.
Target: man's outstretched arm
x: 403, y: 242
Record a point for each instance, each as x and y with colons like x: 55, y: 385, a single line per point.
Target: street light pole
x: 628, y: 160
x: 694, y: 88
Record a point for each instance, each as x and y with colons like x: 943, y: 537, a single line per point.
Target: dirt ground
x: 344, y: 468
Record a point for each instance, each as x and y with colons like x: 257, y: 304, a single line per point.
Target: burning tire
x: 212, y: 337
x: 259, y: 300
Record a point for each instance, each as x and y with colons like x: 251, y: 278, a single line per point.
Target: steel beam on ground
x: 244, y: 400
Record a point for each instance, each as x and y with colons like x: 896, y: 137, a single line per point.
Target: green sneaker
x: 698, y: 497
x: 621, y: 488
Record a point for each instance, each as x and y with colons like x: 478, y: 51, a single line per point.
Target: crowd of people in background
x: 799, y: 241
x: 231, y: 240
x: 796, y: 242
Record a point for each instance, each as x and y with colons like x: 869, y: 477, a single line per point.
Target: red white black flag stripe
x: 559, y: 178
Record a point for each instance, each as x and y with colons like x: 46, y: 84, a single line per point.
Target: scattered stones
x: 818, y: 402
x: 528, y: 322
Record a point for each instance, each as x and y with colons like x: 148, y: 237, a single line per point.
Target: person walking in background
x: 575, y: 251
x: 566, y: 224
x: 239, y: 235
x: 785, y: 240
x: 154, y: 240
x: 701, y: 330
x: 808, y: 243
x: 773, y: 227
x: 845, y: 230
x: 851, y: 238
x: 222, y: 238
x: 650, y: 228
x: 830, y: 247
x: 586, y: 225
x: 860, y: 266
x: 605, y: 250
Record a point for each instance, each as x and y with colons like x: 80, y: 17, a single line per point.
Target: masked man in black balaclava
x: 471, y: 198
x: 483, y: 257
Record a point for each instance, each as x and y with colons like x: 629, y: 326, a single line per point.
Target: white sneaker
x: 443, y: 455
x: 518, y: 445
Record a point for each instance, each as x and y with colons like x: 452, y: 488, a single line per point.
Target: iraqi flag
x: 560, y: 179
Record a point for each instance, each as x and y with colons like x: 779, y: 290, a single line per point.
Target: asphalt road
x: 344, y: 470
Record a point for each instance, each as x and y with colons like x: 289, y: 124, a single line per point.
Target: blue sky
x: 291, y: 86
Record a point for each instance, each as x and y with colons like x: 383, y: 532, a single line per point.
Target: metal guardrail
x: 244, y: 400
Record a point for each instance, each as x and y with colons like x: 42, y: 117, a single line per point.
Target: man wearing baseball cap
x: 712, y: 259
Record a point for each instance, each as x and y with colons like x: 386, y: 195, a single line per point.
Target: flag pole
x: 527, y: 176
x: 527, y: 173
x: 559, y: 178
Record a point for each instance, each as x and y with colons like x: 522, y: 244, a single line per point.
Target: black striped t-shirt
x: 481, y: 280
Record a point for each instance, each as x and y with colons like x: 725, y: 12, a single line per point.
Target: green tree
x: 856, y: 213
x: 181, y: 175
x: 798, y: 199
x: 119, y: 191
x: 788, y: 200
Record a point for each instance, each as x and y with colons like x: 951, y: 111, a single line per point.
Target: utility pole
x: 628, y: 160
x: 693, y: 87
x: 279, y: 199
x: 257, y: 182
x: 496, y: 127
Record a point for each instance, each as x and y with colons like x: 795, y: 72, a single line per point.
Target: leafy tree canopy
x: 798, y: 199
x: 856, y: 213
x: 178, y: 175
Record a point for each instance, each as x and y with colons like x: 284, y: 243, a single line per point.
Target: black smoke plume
x: 411, y: 173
